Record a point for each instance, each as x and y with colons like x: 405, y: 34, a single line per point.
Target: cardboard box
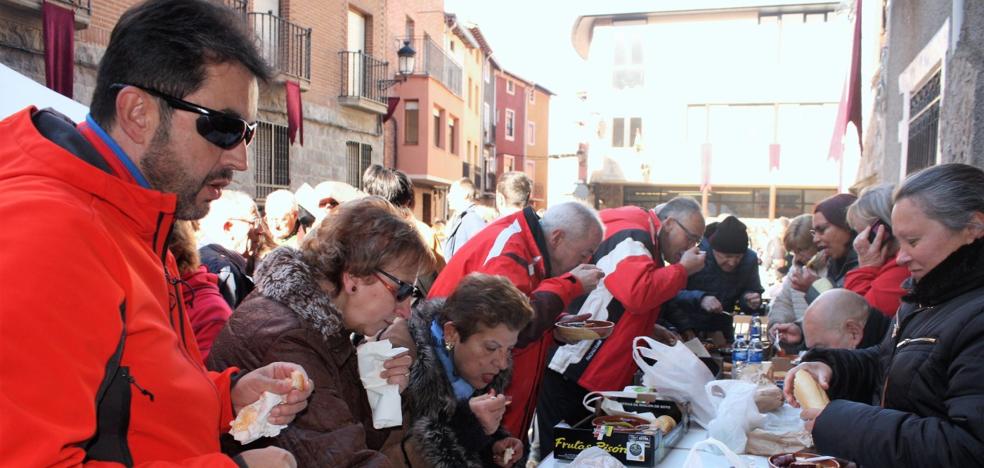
x: 780, y: 366
x: 631, y: 449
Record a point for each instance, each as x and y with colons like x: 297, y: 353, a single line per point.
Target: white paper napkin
x: 251, y: 423
x: 384, y: 398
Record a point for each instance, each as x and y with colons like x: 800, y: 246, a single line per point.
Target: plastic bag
x: 693, y: 458
x: 736, y: 412
x: 595, y: 457
x: 677, y: 374
x: 782, y: 431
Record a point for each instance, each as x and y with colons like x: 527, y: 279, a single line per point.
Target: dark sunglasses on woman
x: 219, y: 128
x: 403, y: 290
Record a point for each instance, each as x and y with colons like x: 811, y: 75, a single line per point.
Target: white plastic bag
x: 782, y: 431
x: 736, y: 412
x: 693, y: 458
x: 595, y: 457
x: 677, y: 374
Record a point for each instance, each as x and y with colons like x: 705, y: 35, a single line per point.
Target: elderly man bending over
x: 837, y: 319
x: 547, y: 259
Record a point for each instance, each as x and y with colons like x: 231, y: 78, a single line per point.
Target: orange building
x: 437, y: 118
x: 537, y: 121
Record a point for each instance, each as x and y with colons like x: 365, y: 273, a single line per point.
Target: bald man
x: 837, y: 319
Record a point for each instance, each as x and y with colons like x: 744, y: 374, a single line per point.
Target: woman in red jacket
x: 878, y: 277
x: 207, y: 310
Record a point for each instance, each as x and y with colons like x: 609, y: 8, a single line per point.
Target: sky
x: 532, y: 39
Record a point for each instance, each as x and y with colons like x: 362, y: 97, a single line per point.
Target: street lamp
x: 407, y: 57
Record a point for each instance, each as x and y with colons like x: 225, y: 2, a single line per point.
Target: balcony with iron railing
x: 285, y: 46
x: 240, y: 6
x: 362, y: 78
x: 431, y: 60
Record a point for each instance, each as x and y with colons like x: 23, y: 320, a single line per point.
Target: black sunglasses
x: 403, y: 290
x: 219, y: 128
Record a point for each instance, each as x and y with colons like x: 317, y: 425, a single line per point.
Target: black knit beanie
x: 730, y: 237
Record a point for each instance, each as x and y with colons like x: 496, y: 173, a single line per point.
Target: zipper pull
x: 142, y: 390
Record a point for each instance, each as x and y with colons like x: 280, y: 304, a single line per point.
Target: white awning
x: 20, y: 91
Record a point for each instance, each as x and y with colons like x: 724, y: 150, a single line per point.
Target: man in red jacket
x: 546, y: 260
x: 638, y: 243
x: 98, y: 362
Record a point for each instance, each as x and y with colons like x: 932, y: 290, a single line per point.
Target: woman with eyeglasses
x: 463, y: 358
x: 878, y: 276
x: 928, y: 372
x: 834, y: 237
x: 353, y: 275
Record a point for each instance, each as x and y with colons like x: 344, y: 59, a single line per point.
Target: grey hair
x: 797, y: 235
x: 231, y: 204
x: 678, y: 208
x: 948, y: 193
x: 874, y: 203
x: 468, y: 187
x: 281, y: 198
x: 573, y: 218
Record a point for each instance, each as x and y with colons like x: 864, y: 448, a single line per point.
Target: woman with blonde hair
x: 878, y: 276
x: 353, y: 275
x: 790, y: 304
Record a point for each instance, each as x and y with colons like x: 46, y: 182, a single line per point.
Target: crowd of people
x: 144, y: 306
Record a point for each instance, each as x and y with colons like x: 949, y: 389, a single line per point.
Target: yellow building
x: 537, y: 121
x: 465, y: 49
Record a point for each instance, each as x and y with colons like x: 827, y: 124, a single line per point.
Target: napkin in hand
x: 251, y: 423
x: 384, y: 398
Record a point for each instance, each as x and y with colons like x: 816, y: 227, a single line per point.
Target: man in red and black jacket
x: 546, y: 260
x: 637, y: 243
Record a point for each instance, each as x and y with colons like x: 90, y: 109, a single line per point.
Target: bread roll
x: 298, y: 381
x: 665, y: 423
x: 768, y: 398
x: 808, y: 392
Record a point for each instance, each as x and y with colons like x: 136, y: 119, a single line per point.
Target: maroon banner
x: 391, y: 103
x: 774, y: 152
x: 850, y: 105
x: 705, y: 167
x: 295, y: 112
x: 58, y: 29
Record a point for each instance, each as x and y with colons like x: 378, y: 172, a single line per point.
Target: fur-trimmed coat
x: 290, y: 318
x: 442, y: 432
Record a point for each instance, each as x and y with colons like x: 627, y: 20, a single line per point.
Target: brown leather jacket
x: 290, y: 318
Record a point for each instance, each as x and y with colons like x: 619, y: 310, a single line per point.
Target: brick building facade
x: 305, y: 40
x: 447, y: 116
